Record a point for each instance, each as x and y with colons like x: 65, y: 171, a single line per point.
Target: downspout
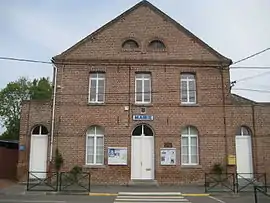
x: 224, y: 119
x: 53, y: 111
x: 254, y: 142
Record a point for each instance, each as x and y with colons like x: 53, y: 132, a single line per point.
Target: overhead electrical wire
x: 251, y: 56
x: 71, y: 63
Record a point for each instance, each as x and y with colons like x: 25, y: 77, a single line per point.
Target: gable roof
x: 237, y: 99
x: 157, y: 11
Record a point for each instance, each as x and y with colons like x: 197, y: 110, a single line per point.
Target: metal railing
x: 261, y: 195
x: 224, y: 182
x: 63, y: 181
x: 79, y: 182
x: 245, y: 182
x: 42, y: 181
x: 234, y: 182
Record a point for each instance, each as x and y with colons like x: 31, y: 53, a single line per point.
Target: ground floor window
x: 189, y: 146
x: 95, y: 146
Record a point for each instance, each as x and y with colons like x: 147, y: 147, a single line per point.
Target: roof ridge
x: 159, y: 12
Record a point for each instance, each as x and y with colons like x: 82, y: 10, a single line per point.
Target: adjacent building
x: 142, y: 98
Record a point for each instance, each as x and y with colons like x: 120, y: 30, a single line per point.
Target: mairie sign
x: 143, y: 117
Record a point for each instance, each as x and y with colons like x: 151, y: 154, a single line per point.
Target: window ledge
x: 143, y: 105
x: 191, y: 166
x: 96, y: 104
x: 189, y: 105
x: 131, y: 50
x: 94, y: 166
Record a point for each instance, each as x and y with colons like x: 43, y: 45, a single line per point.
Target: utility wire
x: 254, y: 76
x: 24, y: 60
x: 253, y: 90
x: 251, y: 56
x: 62, y: 63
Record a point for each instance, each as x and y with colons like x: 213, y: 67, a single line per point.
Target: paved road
x: 127, y: 197
x: 54, y: 199
x: 123, y: 199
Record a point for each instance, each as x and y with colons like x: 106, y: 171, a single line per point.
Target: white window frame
x: 188, y: 81
x: 143, y: 78
x: 95, y: 136
x: 97, y: 79
x: 189, y: 136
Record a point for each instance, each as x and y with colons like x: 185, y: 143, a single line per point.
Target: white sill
x: 191, y: 166
x: 189, y: 104
x: 94, y: 166
x: 143, y: 104
x: 96, y: 103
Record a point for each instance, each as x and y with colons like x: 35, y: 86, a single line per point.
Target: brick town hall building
x: 142, y: 98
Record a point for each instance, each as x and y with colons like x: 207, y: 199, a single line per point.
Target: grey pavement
x: 88, y: 199
x: 17, y: 193
x: 53, y: 199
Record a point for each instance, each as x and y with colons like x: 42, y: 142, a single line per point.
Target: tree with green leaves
x: 11, y: 98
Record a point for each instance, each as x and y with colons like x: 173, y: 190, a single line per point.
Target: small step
x: 143, y: 183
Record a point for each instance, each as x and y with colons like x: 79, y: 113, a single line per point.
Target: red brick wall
x: 143, y: 25
x: 33, y: 113
x: 74, y: 115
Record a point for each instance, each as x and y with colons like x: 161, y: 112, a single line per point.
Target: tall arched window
x: 189, y: 146
x: 95, y: 146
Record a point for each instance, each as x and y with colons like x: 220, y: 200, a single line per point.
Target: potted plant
x: 218, y: 170
x: 58, y: 161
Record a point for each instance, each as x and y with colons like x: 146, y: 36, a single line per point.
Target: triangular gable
x: 219, y: 57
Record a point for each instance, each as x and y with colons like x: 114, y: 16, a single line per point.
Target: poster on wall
x: 117, y: 155
x: 168, y: 156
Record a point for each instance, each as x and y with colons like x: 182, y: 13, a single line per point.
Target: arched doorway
x: 38, y: 152
x: 142, y: 153
x: 243, y: 148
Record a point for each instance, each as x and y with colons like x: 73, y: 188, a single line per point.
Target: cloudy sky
x: 41, y: 29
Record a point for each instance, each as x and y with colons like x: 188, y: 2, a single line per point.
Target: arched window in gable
x: 130, y: 44
x: 156, y: 45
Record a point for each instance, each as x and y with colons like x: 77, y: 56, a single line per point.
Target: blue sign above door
x: 143, y: 117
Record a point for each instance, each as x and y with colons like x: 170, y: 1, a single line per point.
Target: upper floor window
x: 156, y: 45
x: 97, y: 88
x: 143, y: 88
x: 189, y: 146
x: 130, y: 44
x: 188, y: 89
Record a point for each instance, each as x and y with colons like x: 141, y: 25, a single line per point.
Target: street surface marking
x: 218, y: 200
x: 150, y: 197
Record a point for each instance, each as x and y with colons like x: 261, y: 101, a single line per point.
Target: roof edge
x: 222, y: 58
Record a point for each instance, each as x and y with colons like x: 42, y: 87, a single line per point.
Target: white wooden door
x: 142, y: 157
x: 136, y: 154
x: 147, y: 157
x: 244, y: 161
x: 38, y: 156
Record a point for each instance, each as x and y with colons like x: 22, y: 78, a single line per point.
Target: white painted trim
x: 97, y: 79
x: 152, y: 156
x: 143, y: 93
x: 95, y: 136
x: 188, y: 81
x: 189, y: 136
